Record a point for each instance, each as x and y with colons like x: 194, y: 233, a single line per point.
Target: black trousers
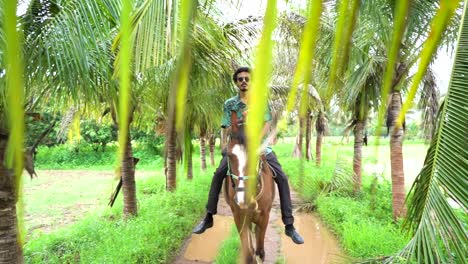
x: 281, y: 180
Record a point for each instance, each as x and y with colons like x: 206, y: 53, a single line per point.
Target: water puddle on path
x: 320, y: 247
x: 204, y: 247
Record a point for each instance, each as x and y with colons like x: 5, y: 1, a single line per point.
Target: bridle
x: 236, y: 177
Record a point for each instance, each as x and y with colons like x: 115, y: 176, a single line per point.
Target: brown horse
x: 250, y: 215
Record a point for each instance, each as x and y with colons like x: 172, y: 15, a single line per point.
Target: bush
x: 83, y: 156
x: 97, y: 135
x: 36, y: 126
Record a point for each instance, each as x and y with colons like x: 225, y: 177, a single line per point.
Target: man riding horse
x: 239, y: 104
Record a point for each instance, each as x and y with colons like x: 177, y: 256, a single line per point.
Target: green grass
x: 69, y: 157
x: 164, y: 221
x: 363, y: 223
x: 229, y: 251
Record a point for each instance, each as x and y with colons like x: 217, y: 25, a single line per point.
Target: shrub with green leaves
x: 97, y: 134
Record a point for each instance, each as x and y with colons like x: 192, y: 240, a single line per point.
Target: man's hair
x: 239, y: 70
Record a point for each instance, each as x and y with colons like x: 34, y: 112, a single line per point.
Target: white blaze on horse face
x: 239, y: 152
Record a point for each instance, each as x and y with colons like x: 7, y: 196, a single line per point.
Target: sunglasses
x: 241, y: 79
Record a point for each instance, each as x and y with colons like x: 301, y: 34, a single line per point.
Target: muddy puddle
x: 204, y: 247
x: 320, y: 246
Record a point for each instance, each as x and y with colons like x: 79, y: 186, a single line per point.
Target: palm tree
x: 11, y: 134
x: 211, y: 45
x: 82, y: 68
x: 419, y: 16
x: 438, y: 234
x: 360, y: 95
x: 380, y: 27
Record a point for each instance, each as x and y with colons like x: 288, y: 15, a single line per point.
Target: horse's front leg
x: 260, y: 231
x: 242, y: 224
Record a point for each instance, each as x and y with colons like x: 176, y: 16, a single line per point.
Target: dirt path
x: 320, y: 246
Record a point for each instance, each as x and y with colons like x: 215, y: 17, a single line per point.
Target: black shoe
x: 296, y: 238
x: 203, y: 225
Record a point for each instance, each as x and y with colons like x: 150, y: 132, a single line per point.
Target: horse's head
x: 237, y: 156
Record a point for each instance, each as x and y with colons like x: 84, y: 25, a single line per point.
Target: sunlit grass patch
x: 229, y: 251
x: 155, y: 236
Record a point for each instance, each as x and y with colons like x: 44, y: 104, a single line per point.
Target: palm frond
x: 438, y: 235
x: 429, y: 104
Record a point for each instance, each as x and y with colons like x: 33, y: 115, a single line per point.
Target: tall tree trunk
x: 203, y: 148
x: 189, y: 165
x: 308, y: 136
x: 357, y: 158
x: 297, y: 152
x: 128, y: 181
x: 318, y: 149
x: 396, y: 158
x: 320, y: 128
x: 127, y: 170
x: 171, y: 159
x: 10, y: 251
x: 212, y: 142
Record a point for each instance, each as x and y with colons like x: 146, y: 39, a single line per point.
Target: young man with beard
x: 239, y: 104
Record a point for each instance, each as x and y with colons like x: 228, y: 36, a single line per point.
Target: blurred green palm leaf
x: 439, y: 24
x: 259, y: 90
x: 307, y: 51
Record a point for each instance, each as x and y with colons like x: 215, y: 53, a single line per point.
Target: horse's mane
x: 239, y: 136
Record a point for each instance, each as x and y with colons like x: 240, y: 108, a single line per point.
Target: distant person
x: 238, y: 104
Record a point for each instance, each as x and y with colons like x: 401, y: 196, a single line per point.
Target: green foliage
x: 67, y: 157
x: 96, y: 134
x: 361, y: 221
x: 229, y: 251
x: 164, y: 220
x: 35, y: 128
x: 148, y: 141
x: 361, y: 229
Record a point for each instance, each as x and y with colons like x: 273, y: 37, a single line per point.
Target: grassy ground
x: 361, y: 223
x: 163, y: 222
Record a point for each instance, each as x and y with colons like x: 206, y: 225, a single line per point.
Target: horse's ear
x: 234, y: 125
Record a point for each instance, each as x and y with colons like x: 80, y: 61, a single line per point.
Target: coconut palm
x: 365, y: 63
x: 65, y: 46
x: 212, y: 52
x: 419, y: 16
x: 438, y: 196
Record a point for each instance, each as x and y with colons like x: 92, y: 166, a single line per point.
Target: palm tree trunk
x: 396, y: 158
x: 212, y: 142
x: 297, y: 152
x: 128, y: 181
x: 10, y: 252
x: 203, y: 149
x: 171, y: 159
x: 320, y: 128
x: 308, y: 136
x: 318, y: 149
x: 357, y: 159
x: 189, y: 165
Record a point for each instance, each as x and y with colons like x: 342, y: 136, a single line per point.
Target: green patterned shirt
x: 236, y: 104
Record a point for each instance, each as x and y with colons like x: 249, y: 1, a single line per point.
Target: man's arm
x: 266, y: 129
x: 224, y: 137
